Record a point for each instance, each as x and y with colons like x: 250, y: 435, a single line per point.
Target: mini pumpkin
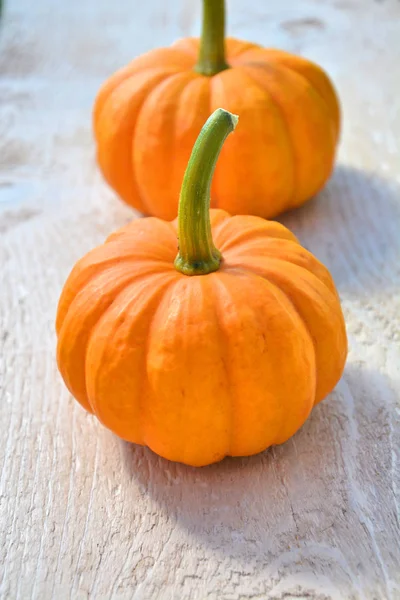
x: 223, y: 350
x: 148, y: 115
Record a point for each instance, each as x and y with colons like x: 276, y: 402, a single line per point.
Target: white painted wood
x: 84, y: 515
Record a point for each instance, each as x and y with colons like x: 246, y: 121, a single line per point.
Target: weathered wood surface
x: 84, y: 515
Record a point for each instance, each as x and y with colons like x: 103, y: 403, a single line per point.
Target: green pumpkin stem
x: 197, y: 254
x: 212, y: 43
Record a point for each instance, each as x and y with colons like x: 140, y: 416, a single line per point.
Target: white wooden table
x: 84, y: 515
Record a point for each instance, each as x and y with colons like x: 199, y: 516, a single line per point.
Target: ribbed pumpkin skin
x: 201, y: 367
x: 148, y: 115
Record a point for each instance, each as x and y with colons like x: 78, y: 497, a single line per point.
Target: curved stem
x: 212, y: 43
x: 197, y: 254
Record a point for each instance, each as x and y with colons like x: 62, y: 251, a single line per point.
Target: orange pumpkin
x: 217, y: 352
x: 148, y: 115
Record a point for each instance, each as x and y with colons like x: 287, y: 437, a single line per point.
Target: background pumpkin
x: 148, y: 115
x: 209, y: 355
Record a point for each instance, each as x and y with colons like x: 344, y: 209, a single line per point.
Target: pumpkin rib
x: 217, y: 217
x: 116, y: 251
x: 96, y: 412
x: 265, y: 194
x: 82, y: 276
x: 118, y: 148
x: 290, y: 310
x: 124, y: 233
x: 152, y: 59
x: 288, y: 297
x: 273, y: 58
x: 319, y: 290
x: 135, y: 247
x: 192, y: 110
x: 282, y: 262
x: 184, y: 372
x: 108, y: 255
x: 126, y: 237
x: 286, y: 127
x: 318, y: 94
x: 324, y: 102
x: 125, y: 298
x: 219, y: 284
x: 222, y: 349
x: 266, y: 230
x: 314, y: 356
x: 235, y: 48
x: 285, y: 260
x: 317, y: 396
x: 74, y: 311
x: 241, y: 242
x: 223, y: 342
x: 188, y: 45
x: 309, y: 335
x: 111, y: 267
x: 161, y: 152
x: 302, y: 189
x: 143, y: 254
x: 324, y: 87
x: 79, y: 277
x: 108, y: 88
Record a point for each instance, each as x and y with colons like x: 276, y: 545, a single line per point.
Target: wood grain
x: 84, y: 515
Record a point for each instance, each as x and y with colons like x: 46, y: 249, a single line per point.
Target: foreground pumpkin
x: 148, y: 115
x: 221, y: 351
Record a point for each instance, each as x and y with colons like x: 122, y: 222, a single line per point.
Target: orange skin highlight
x: 148, y: 115
x: 201, y: 367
